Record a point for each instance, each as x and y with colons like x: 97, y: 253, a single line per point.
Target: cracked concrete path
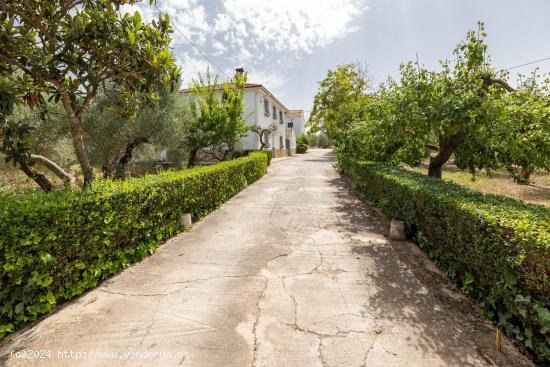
x: 293, y: 271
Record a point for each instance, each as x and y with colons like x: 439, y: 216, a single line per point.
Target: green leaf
x: 50, y: 298
x: 137, y: 19
x: 131, y: 37
x: 45, y: 257
x: 6, y: 328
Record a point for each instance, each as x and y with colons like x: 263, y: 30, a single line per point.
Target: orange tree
x: 518, y: 138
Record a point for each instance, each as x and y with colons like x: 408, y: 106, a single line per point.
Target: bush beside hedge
x: 302, y: 144
x: 301, y: 148
x: 55, y: 246
x: 495, y: 248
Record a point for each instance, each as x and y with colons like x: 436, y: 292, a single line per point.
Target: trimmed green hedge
x: 269, y: 155
x: 55, y: 246
x: 494, y: 248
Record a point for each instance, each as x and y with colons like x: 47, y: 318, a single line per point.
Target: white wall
x: 254, y: 101
x: 254, y: 115
x: 299, y: 123
x: 251, y: 141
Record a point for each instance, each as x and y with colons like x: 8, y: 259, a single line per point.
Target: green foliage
x: 218, y: 112
x: 46, y: 135
x: 465, y: 108
x: 302, y: 144
x: 67, y: 50
x: 112, y: 139
x: 494, y: 248
x: 342, y: 85
x: 517, y: 136
x: 318, y: 140
x: 268, y: 155
x: 55, y: 246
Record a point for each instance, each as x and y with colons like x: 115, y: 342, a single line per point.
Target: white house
x: 263, y: 109
x: 297, y: 121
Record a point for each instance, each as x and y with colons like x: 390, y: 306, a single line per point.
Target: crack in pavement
x: 256, y: 322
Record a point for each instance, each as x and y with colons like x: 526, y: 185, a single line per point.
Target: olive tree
x: 32, y: 137
x: 68, y: 49
x: 112, y: 140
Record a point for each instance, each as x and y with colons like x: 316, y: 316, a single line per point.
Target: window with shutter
x: 274, y: 113
x: 266, y: 107
x: 280, y: 116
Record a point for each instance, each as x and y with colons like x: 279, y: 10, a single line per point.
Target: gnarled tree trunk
x: 38, y: 177
x: 447, y: 146
x: 127, y: 157
x: 192, y: 157
x: 526, y: 173
x: 262, y: 142
x: 522, y: 177
x: 53, y: 167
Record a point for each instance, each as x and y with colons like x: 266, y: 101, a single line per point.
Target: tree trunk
x: 107, y: 170
x: 80, y: 150
x: 192, y: 156
x: 227, y: 153
x: 526, y: 173
x: 127, y: 157
x: 447, y: 145
x: 262, y: 143
x: 77, y: 132
x: 53, y: 167
x: 38, y: 177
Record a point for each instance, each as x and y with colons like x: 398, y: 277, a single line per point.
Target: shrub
x: 55, y: 246
x: 302, y: 144
x: 301, y: 149
x: 495, y: 248
x: 302, y: 139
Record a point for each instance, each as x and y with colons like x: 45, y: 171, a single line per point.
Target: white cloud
x: 270, y: 79
x: 290, y: 25
x: 190, y: 67
x: 256, y: 35
x: 219, y: 47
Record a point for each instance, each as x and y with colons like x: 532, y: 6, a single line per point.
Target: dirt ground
x: 499, y: 182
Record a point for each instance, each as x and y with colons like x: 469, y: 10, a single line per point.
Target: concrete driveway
x: 293, y: 271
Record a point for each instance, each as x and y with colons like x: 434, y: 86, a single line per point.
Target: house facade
x: 297, y: 121
x: 263, y: 109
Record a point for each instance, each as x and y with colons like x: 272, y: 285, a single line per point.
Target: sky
x: 289, y: 45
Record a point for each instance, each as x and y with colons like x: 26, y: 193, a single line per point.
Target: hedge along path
x: 495, y: 248
x: 292, y: 271
x: 55, y: 246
